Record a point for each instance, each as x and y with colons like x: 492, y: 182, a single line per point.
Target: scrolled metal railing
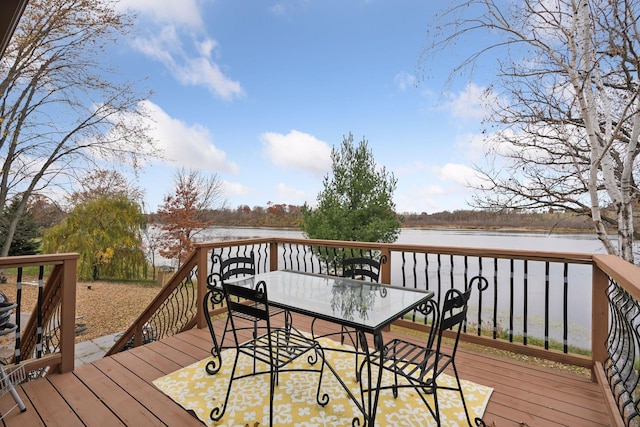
x: 36, y: 336
x: 176, y: 307
x: 322, y: 258
x: 623, y: 344
x: 525, y: 298
x: 175, y: 312
x: 259, y: 250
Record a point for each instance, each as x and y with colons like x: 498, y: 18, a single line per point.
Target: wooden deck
x: 118, y: 390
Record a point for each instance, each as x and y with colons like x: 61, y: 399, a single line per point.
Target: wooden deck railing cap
x: 30, y: 260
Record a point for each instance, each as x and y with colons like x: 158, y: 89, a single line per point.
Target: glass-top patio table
x: 368, y: 308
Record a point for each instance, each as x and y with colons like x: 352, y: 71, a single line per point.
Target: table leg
x: 370, y: 401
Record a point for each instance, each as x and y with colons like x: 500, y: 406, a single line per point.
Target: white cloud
x: 203, y: 72
x: 291, y: 195
x: 184, y: 145
x: 404, y: 80
x: 236, y: 189
x: 413, y: 167
x: 198, y: 69
x: 278, y: 9
x: 445, y: 188
x: 206, y: 47
x: 172, y: 40
x: 297, y: 150
x: 160, y: 46
x: 472, y: 146
x: 183, y: 12
x: 420, y: 199
x: 461, y: 175
x: 470, y: 103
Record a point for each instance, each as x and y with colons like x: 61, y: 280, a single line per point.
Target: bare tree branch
x: 563, y: 127
x: 62, y: 108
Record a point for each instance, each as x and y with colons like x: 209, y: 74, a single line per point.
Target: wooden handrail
x: 623, y: 272
x: 36, y: 260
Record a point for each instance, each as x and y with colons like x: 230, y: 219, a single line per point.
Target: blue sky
x: 260, y: 91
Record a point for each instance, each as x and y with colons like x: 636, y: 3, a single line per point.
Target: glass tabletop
x: 363, y: 305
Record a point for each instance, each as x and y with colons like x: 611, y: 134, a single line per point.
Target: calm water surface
x: 586, y: 243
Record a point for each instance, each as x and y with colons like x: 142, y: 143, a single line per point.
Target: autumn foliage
x: 181, y: 215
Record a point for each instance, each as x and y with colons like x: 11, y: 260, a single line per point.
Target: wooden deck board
x: 52, y: 408
x: 118, y: 390
x: 142, y: 390
x: 121, y: 403
x: 83, y: 402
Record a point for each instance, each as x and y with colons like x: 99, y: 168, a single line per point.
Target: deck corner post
x: 273, y: 255
x: 201, y: 260
x: 68, y: 314
x: 385, y: 267
x: 600, y: 317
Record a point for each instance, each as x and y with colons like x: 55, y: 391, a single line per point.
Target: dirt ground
x: 105, y: 308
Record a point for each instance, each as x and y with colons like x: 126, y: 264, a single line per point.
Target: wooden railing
x: 535, y: 302
x: 46, y: 343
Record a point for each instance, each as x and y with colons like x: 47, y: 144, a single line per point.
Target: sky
x: 259, y: 92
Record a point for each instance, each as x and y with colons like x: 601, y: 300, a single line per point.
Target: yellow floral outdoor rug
x: 295, y: 399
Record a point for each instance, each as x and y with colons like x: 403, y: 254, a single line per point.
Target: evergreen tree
x: 25, y: 239
x: 357, y: 201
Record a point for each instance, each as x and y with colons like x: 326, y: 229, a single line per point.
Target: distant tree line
x: 273, y: 215
x: 283, y: 215
x: 486, y: 219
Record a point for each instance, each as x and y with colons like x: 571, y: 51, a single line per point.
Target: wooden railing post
x: 273, y: 256
x: 68, y: 315
x: 201, y: 256
x: 385, y: 267
x: 599, y: 316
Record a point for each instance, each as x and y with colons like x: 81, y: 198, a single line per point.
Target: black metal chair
x: 229, y: 268
x: 276, y: 348
x: 422, y: 365
x: 361, y: 268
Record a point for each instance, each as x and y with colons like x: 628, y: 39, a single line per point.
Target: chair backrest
x: 247, y: 303
x: 453, y: 313
x: 231, y: 267
x: 431, y: 313
x: 361, y: 268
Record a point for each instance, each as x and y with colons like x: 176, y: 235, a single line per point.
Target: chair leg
x: 224, y: 333
x: 464, y: 403
x: 395, y: 376
x: 217, y: 412
x: 436, y: 405
x: 214, y: 365
x: 288, y: 320
x: 272, y: 388
x: 255, y: 335
x: 324, y: 398
x: 355, y: 346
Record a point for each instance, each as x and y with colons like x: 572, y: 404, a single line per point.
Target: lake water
x: 586, y: 243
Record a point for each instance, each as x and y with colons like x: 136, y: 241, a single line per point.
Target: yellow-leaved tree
x: 107, y: 233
